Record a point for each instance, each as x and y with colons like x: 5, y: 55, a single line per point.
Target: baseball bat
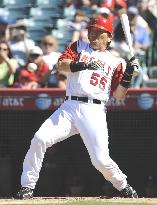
x: 126, y: 28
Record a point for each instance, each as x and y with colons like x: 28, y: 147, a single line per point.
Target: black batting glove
x: 76, y: 66
x: 128, y: 74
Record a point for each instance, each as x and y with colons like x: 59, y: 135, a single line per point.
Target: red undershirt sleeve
x: 70, y: 52
x: 117, y: 77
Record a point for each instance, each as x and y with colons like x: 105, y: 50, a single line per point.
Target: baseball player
x: 93, y: 74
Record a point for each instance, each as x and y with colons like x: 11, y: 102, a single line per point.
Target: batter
x: 93, y: 75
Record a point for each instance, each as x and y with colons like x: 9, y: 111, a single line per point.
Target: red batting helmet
x: 102, y: 23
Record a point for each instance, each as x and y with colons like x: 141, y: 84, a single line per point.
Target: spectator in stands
x: 152, y: 7
x: 85, y: 6
x: 8, y: 65
x: 107, y: 3
x: 151, y: 17
x: 147, y: 14
x: 35, y: 73
x: 20, y: 44
x: 49, y: 47
x: 103, y: 11
x: 79, y: 21
x: 140, y: 35
x: 112, y: 4
x: 4, y: 28
x: 78, y: 26
x: 80, y: 35
x: 69, y: 9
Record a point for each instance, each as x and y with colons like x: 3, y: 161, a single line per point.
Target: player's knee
x: 41, y: 140
x: 101, y: 163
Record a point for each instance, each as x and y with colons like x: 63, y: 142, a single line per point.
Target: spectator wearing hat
x: 34, y: 74
x: 103, y: 11
x: 20, y: 44
x: 107, y: 13
x: 4, y: 29
x: 134, y: 11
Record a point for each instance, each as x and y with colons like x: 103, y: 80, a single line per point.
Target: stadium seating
x: 18, y: 12
x: 17, y: 3
x: 41, y: 15
x: 63, y: 35
x: 4, y: 12
x: 46, y: 12
x: 54, y: 3
x: 36, y: 33
x: 47, y: 24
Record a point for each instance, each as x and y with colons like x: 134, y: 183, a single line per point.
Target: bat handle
x: 136, y: 71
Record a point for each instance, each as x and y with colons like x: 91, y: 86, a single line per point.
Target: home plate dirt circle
x: 62, y: 200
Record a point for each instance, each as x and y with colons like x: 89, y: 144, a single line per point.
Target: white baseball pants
x: 71, y: 118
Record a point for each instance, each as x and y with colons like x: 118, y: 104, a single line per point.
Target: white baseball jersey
x: 92, y: 83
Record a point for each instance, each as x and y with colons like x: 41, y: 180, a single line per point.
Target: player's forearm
x: 125, y: 82
x: 120, y: 92
x: 75, y: 66
x: 64, y: 65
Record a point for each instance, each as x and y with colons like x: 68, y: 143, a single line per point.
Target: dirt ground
x: 62, y: 200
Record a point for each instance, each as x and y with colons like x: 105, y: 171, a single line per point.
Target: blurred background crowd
x: 33, y: 33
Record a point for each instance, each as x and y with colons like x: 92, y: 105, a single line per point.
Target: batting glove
x: 127, y: 76
x: 76, y: 66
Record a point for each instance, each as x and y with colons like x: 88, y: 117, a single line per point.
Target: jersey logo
x: 98, y: 64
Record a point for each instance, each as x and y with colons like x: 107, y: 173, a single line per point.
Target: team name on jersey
x: 101, y: 65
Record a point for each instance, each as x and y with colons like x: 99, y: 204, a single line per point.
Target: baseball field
x: 80, y: 201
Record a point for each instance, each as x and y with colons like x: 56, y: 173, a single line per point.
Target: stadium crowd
x: 28, y: 62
